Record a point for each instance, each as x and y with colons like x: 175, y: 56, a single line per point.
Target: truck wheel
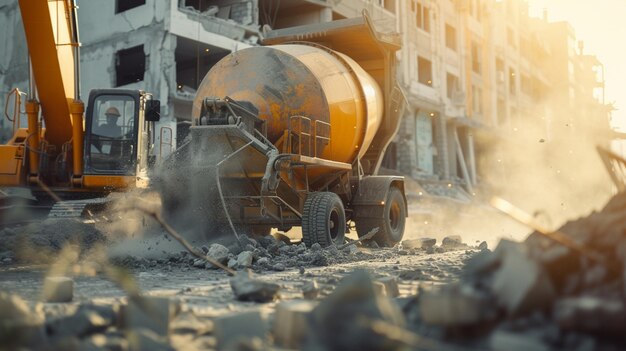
x: 391, y: 227
x: 323, y: 219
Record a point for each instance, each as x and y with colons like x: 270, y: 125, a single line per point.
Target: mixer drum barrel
x: 292, y: 83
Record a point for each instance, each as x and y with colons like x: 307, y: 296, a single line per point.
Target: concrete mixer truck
x: 292, y: 134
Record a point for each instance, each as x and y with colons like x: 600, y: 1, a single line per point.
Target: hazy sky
x: 601, y: 24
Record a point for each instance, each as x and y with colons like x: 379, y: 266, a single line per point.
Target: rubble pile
x: 538, y: 294
x: 40, y: 241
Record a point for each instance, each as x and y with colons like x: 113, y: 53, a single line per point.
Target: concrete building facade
x: 468, y: 67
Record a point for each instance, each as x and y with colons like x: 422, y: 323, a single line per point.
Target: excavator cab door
x: 111, y: 132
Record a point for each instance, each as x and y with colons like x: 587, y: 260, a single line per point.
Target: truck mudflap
x: 369, y: 199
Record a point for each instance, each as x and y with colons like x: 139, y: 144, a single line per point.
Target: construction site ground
x: 124, y: 283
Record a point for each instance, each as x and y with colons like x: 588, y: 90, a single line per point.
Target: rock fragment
x: 503, y: 340
x: 343, y: 321
x: 247, y: 288
x: 520, y: 284
x: 310, y: 290
x: 218, y: 253
x: 88, y: 319
x: 234, y: 328
x: 455, y: 306
x: 149, y: 312
x: 452, y: 241
x: 58, y: 289
x: 421, y: 243
x: 244, y: 259
x: 290, y: 323
x: 391, y: 286
x: 591, y: 315
x: 19, y: 325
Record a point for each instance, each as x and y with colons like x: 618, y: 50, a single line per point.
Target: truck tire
x: 323, y: 219
x: 391, y: 227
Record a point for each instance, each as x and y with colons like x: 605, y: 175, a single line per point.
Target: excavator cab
x: 119, y: 132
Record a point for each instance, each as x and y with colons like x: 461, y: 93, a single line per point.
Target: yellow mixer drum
x: 301, y: 79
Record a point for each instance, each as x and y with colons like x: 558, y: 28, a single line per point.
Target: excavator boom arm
x: 50, y: 34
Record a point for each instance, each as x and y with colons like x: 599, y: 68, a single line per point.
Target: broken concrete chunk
x: 452, y: 241
x: 380, y: 289
x: 455, y: 306
x: 279, y: 267
x: 310, y: 290
x: 503, y: 340
x: 247, y: 288
x: 391, y: 286
x: 58, y: 289
x: 146, y: 339
x: 244, y: 259
x: 290, y: 323
x: 219, y: 253
x: 267, y: 241
x: 520, y: 284
x: 351, y: 249
x: 88, y: 319
x: 149, y: 312
x: 232, y: 263
x: 19, y: 325
x: 483, y: 246
x: 231, y: 329
x: 263, y: 261
x: 591, y: 315
x: 343, y: 321
x: 421, y: 243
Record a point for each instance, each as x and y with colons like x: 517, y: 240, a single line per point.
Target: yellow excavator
x: 65, y: 153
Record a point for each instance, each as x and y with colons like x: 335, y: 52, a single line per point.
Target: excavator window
x: 112, y: 139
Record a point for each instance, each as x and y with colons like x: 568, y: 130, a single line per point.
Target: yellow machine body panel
x: 108, y: 182
x: 11, y: 160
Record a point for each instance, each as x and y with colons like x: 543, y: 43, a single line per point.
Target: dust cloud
x: 554, y: 174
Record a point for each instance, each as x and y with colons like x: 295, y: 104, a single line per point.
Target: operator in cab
x: 110, y: 128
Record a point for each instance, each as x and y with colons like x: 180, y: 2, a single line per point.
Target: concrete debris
x: 290, y: 323
x: 344, y: 320
x: 452, y: 241
x: 247, y: 288
x: 310, y: 290
x: 146, y: 339
x: 149, y: 312
x: 421, y: 243
x: 483, y: 246
x: 455, y: 306
x: 502, y: 340
x: 231, y: 329
x: 58, y: 289
x: 244, y: 259
x: 521, y: 285
x: 87, y: 320
x: 391, y: 286
x: 351, y: 250
x: 591, y: 315
x: 19, y: 325
x: 219, y: 253
x: 549, y: 296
